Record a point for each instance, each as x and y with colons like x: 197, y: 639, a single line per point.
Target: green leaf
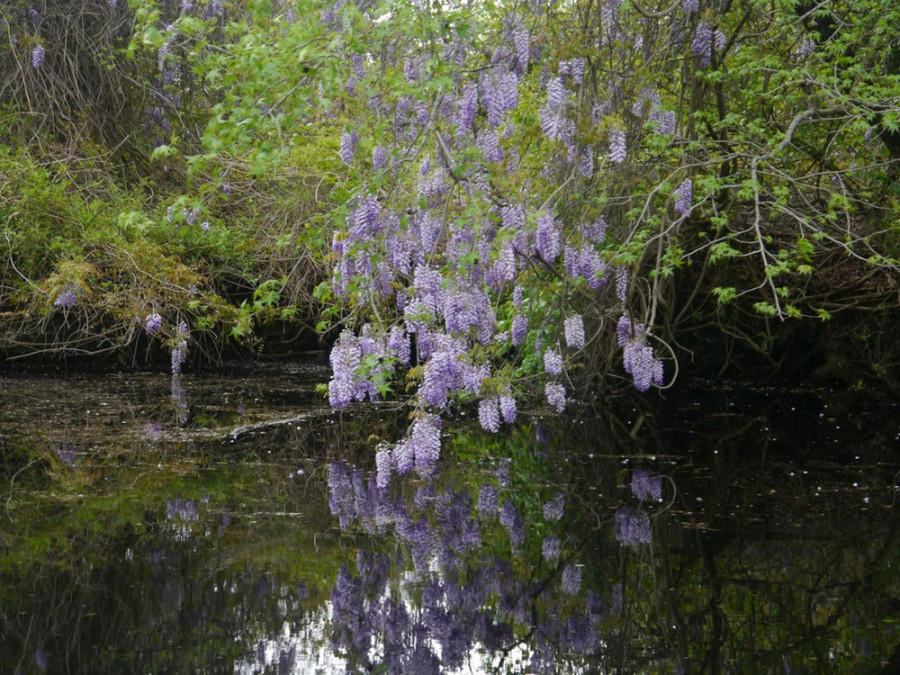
x: 164, y: 151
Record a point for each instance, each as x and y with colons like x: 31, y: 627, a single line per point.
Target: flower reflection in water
x: 455, y: 594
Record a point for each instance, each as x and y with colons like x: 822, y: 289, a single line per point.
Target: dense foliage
x: 495, y: 201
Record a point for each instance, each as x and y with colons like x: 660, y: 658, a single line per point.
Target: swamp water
x: 213, y: 524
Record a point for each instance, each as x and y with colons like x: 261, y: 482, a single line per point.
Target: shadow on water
x: 231, y: 523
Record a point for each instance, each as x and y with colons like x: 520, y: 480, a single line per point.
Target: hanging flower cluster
x: 437, y: 253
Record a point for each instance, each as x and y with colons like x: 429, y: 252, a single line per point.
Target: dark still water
x: 216, y: 524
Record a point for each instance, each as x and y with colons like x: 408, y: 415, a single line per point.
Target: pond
x: 233, y: 523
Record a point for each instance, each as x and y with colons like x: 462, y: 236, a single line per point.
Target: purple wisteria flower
x: 556, y: 395
x: 550, y: 549
x: 499, y: 92
x: 466, y: 107
x: 585, y: 162
x: 684, y: 197
x: 38, y: 56
x: 573, y: 68
x: 627, y: 330
x: 645, y: 487
x: 553, y: 362
x: 383, y: 466
x: 617, y: 150
x: 719, y: 40
x: 349, y: 142
x: 379, y: 157
x: 690, y: 6
x: 554, y: 509
x: 703, y: 42
x: 632, y: 527
x: 639, y: 362
x: 520, y: 40
x: 665, y: 120
x: 179, y: 352
x: 425, y: 442
x: 152, y: 323
x: 487, y: 500
x: 489, y: 143
x: 507, y: 408
x: 512, y: 520
x: 489, y: 414
x: 547, y: 238
x: 67, y: 298
x: 621, y: 283
x: 574, y: 330
x: 571, y: 579
x: 519, y: 329
x: 345, y: 360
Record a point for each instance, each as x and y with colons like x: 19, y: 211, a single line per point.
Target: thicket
x: 479, y: 203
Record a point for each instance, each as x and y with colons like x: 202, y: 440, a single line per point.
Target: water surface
x: 234, y: 524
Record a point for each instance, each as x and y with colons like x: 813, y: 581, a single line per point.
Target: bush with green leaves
x: 520, y: 199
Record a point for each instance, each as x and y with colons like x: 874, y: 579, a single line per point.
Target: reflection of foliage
x: 491, y: 590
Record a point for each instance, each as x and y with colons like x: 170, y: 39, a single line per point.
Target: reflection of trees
x: 752, y: 563
x: 777, y: 552
x: 462, y: 580
x: 123, y: 601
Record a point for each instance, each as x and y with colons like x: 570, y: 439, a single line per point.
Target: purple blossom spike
x: 805, y: 48
x: 556, y: 395
x: 632, y: 528
x: 512, y: 520
x: 412, y: 69
x: 489, y: 414
x: 425, y: 441
x: 403, y: 457
x: 519, y: 329
x: 547, y: 238
x: 621, y: 283
x: 639, y: 362
x: 179, y: 352
x: 500, y: 92
x: 666, y: 122
x: 556, y: 93
x: 379, y: 156
x: 345, y: 359
x: 152, y: 323
x: 38, y: 57
x: 489, y: 142
x: 684, y: 196
x: 645, y: 487
x: 520, y: 40
x: 487, y: 500
x: 467, y: 106
x: 383, y: 466
x: 553, y: 362
x: 574, y: 330
x: 702, y: 43
x: 550, y: 549
x: 626, y: 330
x: 508, y: 408
x: 571, y: 579
x: 617, y: 151
x: 690, y: 6
x: 719, y: 40
x: 349, y: 141
x: 585, y: 162
x: 67, y: 298
x: 554, y: 509
x: 398, y: 345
